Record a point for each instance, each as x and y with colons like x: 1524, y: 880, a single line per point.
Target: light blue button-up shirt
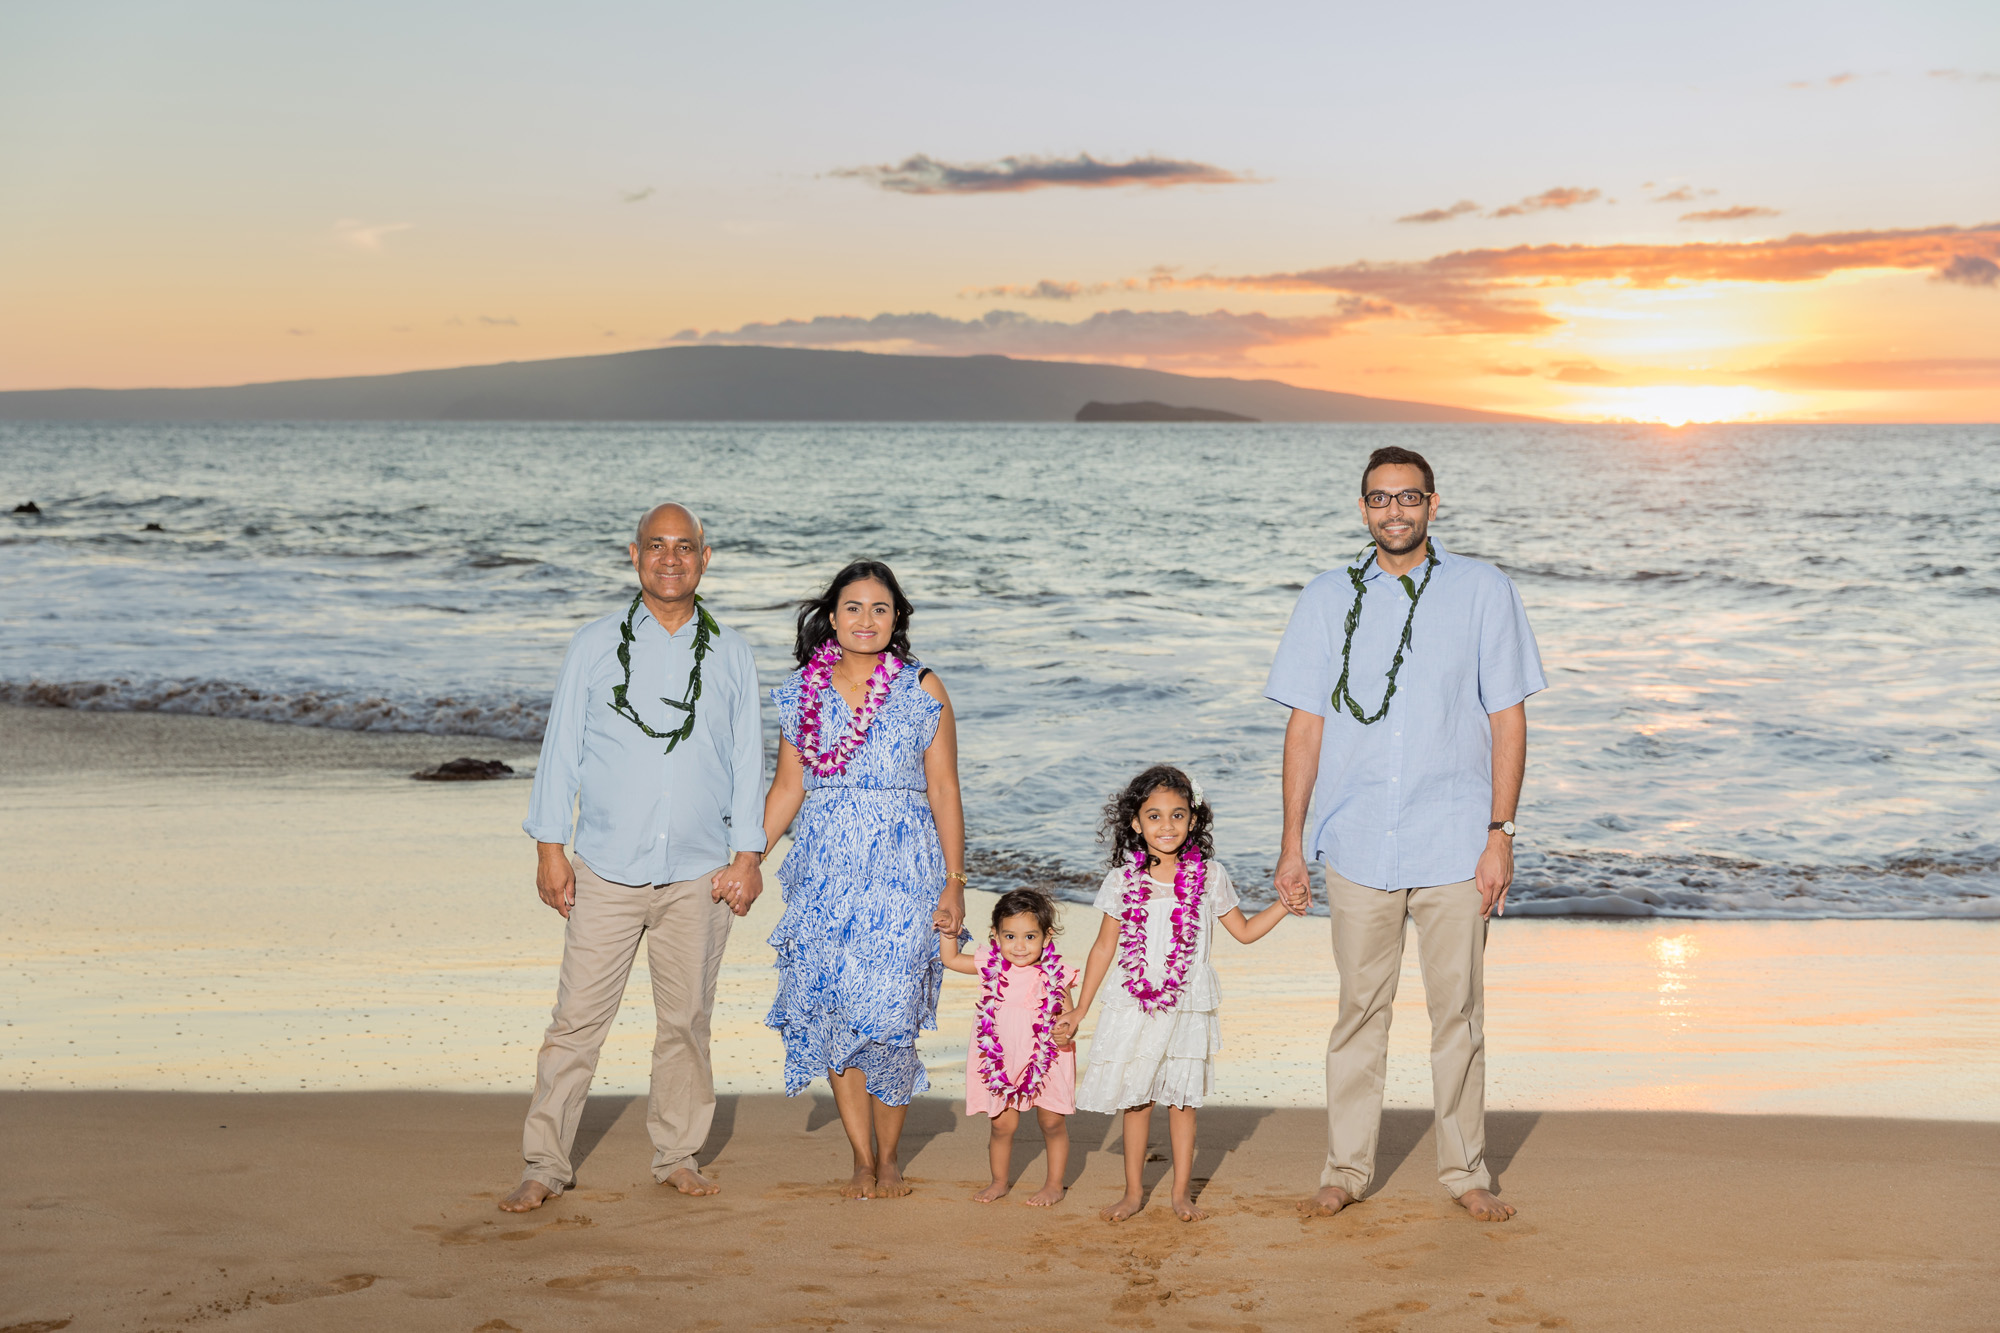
x: 644, y: 816
x: 1404, y: 803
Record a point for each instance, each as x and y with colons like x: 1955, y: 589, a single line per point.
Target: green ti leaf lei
x: 1343, y: 695
x: 705, y: 629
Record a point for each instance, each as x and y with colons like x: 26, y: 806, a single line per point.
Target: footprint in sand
x: 479, y: 1233
x: 37, y: 1326
x: 870, y: 1256
x: 1512, y: 1233
x: 340, y: 1286
x: 595, y: 1277
x: 1393, y: 1260
x: 1388, y: 1319
x: 1517, y: 1311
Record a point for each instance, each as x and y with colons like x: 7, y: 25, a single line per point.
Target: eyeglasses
x: 1407, y: 499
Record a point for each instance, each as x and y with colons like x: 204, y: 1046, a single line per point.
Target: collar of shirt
x: 646, y: 617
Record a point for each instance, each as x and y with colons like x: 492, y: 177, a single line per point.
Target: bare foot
x: 1123, y: 1209
x: 862, y: 1186
x: 527, y: 1196
x: 1185, y: 1210
x: 1048, y: 1196
x: 889, y: 1184
x: 1483, y: 1205
x: 690, y: 1181
x: 997, y: 1190
x: 1330, y: 1200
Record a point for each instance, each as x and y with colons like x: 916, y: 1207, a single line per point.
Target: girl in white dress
x: 1157, y: 1039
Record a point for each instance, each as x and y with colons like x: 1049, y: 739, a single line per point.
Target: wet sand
x: 203, y: 904
x: 376, y: 1210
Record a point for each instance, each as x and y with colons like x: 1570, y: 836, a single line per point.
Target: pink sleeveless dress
x: 1020, y: 1002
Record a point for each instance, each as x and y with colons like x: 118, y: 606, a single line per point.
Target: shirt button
x: 1395, y: 779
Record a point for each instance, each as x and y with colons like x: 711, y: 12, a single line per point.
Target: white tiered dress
x: 1169, y: 1056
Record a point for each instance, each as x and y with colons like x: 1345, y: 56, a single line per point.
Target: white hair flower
x: 1194, y: 792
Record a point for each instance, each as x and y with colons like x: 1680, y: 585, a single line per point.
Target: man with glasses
x: 1407, y: 674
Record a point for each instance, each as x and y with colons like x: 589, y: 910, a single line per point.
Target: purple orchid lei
x: 1189, y: 879
x: 993, y: 970
x: 817, y: 675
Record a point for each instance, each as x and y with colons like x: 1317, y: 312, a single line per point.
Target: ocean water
x: 1773, y: 652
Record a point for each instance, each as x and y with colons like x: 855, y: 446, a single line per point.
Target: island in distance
x: 727, y: 384
x: 1149, y: 411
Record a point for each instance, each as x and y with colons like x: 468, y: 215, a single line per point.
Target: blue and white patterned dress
x: 858, y: 962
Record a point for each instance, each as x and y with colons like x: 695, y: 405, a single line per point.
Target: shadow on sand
x: 1404, y: 1130
x: 928, y: 1118
x: 599, y: 1115
x: 1220, y: 1131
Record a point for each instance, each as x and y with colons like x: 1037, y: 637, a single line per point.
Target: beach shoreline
x: 212, y: 904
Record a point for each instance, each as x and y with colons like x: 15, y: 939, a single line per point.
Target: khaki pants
x: 685, y: 933
x: 1368, y: 949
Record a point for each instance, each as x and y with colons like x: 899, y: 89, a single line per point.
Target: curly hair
x: 1027, y: 902
x: 816, y: 614
x: 1123, y: 808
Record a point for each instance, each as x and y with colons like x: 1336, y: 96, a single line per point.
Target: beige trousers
x: 685, y: 933
x: 1368, y: 949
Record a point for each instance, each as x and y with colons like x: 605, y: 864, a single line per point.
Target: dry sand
x: 376, y: 1211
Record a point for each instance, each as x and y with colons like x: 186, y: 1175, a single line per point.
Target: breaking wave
x: 498, y: 717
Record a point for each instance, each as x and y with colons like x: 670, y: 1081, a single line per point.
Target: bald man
x: 661, y: 756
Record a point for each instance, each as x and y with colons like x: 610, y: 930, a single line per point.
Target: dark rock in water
x: 29, y: 508
x: 152, y: 527
x: 465, y: 770
x: 1151, y: 411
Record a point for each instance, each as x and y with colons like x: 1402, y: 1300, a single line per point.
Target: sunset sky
x: 1700, y: 211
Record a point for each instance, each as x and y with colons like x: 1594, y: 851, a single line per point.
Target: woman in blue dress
x: 869, y: 770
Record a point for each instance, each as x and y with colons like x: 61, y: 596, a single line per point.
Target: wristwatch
x: 1505, y: 826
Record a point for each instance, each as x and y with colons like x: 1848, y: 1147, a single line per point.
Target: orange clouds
x: 1729, y: 214
x: 1457, y: 210
x: 1563, y: 196
x: 1488, y: 291
x: 1916, y: 373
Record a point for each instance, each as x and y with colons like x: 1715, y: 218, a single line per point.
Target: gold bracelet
x: 951, y: 875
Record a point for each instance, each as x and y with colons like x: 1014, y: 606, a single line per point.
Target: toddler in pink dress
x: 1013, y: 1061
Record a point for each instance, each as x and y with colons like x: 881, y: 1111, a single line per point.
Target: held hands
x: 1294, y: 886
x: 739, y: 883
x: 1067, y: 1023
x: 1495, y: 874
x: 950, y: 914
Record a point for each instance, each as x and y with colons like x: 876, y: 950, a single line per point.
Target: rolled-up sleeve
x: 746, y: 764
x: 559, y: 771
x: 1510, y: 662
x: 1299, y: 673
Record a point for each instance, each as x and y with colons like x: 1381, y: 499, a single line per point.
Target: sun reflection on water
x: 1673, y: 958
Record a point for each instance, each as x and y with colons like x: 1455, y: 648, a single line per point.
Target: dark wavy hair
x: 816, y: 615
x: 1393, y: 453
x: 1123, y: 808
x: 1026, y: 902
